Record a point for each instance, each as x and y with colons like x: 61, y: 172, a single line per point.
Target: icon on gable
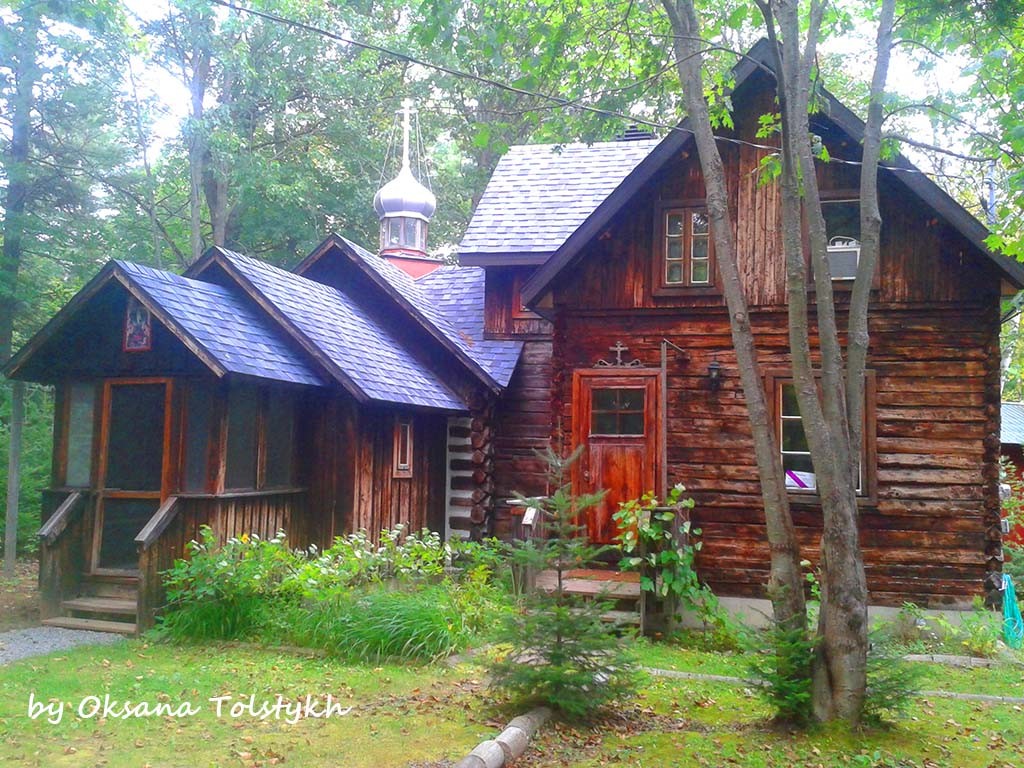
x: 138, y: 327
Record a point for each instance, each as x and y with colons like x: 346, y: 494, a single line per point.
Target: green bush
x: 226, y: 591
x: 397, y: 599
x: 782, y: 661
x: 892, y: 682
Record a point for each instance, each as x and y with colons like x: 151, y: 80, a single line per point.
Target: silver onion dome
x: 404, y: 196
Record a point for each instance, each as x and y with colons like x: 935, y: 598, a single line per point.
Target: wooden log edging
x: 508, y: 745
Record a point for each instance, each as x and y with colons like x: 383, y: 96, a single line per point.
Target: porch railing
x: 61, y: 556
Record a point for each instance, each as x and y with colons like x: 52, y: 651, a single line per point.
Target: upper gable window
x: 687, y: 256
x: 842, y: 228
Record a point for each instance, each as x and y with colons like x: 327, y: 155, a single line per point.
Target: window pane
x: 198, y: 418
x: 842, y: 219
x: 699, y: 249
x: 799, y: 471
x: 603, y: 424
x: 122, y: 521
x: 793, y: 436
x: 410, y: 232
x: 631, y: 399
x: 790, y: 407
x: 699, y: 271
x: 674, y: 225
x: 280, y: 438
x: 674, y: 272
x: 394, y: 231
x: 82, y: 398
x: 631, y: 424
x: 700, y: 222
x: 135, y: 443
x: 240, y: 472
x: 604, y: 399
x: 675, y: 250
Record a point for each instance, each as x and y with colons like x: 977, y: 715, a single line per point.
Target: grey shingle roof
x: 458, y: 292
x: 451, y: 299
x: 235, y: 334
x: 365, y: 353
x: 1012, y: 431
x: 541, y: 193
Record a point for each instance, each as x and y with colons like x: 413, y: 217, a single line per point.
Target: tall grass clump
x: 398, y: 598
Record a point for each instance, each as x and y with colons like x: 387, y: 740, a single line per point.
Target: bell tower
x: 405, y: 207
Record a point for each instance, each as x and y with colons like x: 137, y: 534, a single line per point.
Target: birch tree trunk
x: 785, y: 587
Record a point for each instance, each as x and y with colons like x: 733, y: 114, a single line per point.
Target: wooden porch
x: 78, y: 595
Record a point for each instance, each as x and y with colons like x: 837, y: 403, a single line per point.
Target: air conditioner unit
x: 843, y: 256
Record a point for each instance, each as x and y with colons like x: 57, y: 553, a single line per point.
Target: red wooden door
x: 616, y: 417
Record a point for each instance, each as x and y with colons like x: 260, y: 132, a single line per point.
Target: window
x: 243, y: 434
x: 519, y: 310
x: 793, y: 447
x: 617, y: 411
x: 78, y: 446
x: 402, y: 458
x: 403, y: 232
x: 279, y: 438
x: 260, y: 439
x: 686, y: 248
x: 842, y: 228
x: 198, y: 419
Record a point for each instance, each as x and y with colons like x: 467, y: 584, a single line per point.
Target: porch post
x: 14, y: 475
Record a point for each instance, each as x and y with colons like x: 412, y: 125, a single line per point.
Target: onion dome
x: 404, y: 196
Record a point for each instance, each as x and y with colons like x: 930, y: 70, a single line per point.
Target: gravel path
x: 36, y: 641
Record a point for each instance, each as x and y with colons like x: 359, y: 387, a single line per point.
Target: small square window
x: 403, y: 448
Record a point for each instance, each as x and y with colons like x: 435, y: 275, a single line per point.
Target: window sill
x: 686, y: 290
x: 241, y: 494
x: 807, y: 500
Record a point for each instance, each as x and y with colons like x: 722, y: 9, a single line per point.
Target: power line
x: 557, y: 101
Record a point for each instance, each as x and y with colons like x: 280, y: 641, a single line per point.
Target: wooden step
x: 122, y: 587
x: 590, y: 587
x: 119, y: 605
x: 94, y: 625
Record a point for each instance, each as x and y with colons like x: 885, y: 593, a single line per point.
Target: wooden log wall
x: 523, y: 425
x: 929, y: 536
x: 382, y: 500
x: 482, y: 434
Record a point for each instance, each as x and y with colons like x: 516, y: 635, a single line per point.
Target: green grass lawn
x: 401, y: 714
x: 417, y: 716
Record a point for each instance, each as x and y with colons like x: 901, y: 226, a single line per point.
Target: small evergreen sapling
x: 562, y: 653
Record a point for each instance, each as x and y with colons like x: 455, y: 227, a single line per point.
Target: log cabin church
x: 362, y: 390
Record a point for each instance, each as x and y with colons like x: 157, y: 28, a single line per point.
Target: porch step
x: 610, y: 584
x: 118, y: 605
x: 119, y: 587
x: 95, y: 625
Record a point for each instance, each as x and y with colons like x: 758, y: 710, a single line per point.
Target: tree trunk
x: 16, y: 163
x: 197, y: 150
x: 786, y: 581
x: 14, y: 476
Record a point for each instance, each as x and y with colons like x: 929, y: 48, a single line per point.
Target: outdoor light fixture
x: 714, y: 375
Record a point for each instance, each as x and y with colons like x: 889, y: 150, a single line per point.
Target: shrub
x: 784, y: 667
x: 225, y: 591
x: 892, y: 682
x: 649, y: 537
x: 339, y: 599
x: 562, y: 653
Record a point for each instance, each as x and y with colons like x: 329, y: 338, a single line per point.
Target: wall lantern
x: 714, y: 375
